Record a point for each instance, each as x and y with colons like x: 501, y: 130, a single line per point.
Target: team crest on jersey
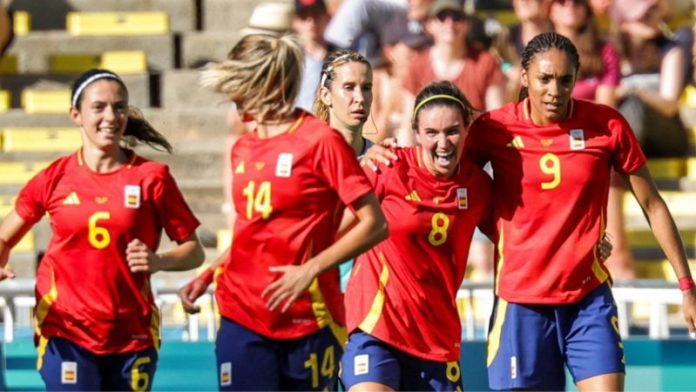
x: 284, y: 165
x: 131, y: 196
x: 546, y: 142
x: 462, y: 198
x: 72, y: 200
x: 577, y: 139
x: 68, y: 372
x: 260, y: 165
x: 226, y: 374
x: 101, y: 199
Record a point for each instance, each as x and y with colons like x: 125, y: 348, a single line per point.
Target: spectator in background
x: 534, y: 19
x: 654, y: 77
x: 598, y: 77
x: 5, y: 29
x: 309, y: 24
x: 476, y: 73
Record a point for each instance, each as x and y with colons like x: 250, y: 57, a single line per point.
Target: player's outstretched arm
x: 187, y: 255
x: 665, y: 231
x: 198, y: 285
x: 370, y: 229
x: 12, y: 229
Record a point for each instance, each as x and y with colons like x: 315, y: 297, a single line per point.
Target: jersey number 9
x: 550, y: 164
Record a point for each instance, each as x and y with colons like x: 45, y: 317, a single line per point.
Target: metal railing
x: 475, y: 301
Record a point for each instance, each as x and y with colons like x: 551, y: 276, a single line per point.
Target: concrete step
x: 199, y: 48
x: 34, y: 49
x: 181, y: 89
x: 227, y: 15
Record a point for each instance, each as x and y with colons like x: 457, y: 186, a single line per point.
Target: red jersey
x: 403, y: 290
x: 85, y: 292
x: 550, y: 188
x: 289, y: 193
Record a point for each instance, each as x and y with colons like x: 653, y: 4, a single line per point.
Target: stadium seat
x: 679, y: 203
x: 72, y: 63
x: 691, y: 168
x: 28, y: 242
x: 224, y: 239
x: 125, y: 61
x: 117, y: 23
x: 667, y: 168
x: 5, y: 100
x: 46, y: 101
x: 8, y: 65
x: 40, y: 139
x: 504, y: 17
x: 18, y: 173
x: 688, y: 97
x: 22, y: 23
x: 642, y: 239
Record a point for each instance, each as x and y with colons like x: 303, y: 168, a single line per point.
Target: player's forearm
x: 188, y: 255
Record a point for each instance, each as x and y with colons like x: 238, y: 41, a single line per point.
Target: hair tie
x: 438, y: 96
x: 93, y: 78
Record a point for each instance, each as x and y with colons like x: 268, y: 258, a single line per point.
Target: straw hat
x: 270, y: 18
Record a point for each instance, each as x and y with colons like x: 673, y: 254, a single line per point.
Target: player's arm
x: 665, y: 230
x: 188, y: 254
x: 198, y: 285
x: 370, y: 229
x: 12, y: 229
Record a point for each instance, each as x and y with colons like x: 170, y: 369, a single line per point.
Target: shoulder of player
x: 149, y: 168
x: 590, y: 112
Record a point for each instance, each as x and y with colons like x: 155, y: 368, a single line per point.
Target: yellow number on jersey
x: 98, y: 236
x: 258, y: 200
x: 550, y: 164
x: 438, y: 235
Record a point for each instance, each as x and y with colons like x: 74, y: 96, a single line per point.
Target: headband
x: 438, y: 96
x: 325, y: 73
x: 88, y: 81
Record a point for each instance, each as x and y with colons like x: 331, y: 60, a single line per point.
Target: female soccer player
x: 433, y: 199
x: 552, y: 156
x: 97, y: 324
x: 282, y: 311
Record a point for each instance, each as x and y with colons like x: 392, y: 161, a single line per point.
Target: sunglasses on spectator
x: 456, y: 16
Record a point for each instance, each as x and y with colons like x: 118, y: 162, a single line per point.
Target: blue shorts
x: 248, y: 361
x: 65, y: 366
x: 368, y: 359
x: 528, y: 345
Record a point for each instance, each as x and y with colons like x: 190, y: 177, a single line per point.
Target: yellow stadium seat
x: 667, y: 168
x: 18, y: 173
x: 224, y: 240
x: 504, y: 17
x: 679, y: 202
x: 117, y: 23
x: 41, y: 139
x: 8, y: 64
x: 26, y: 244
x: 691, y: 168
x: 46, y: 101
x: 646, y: 239
x: 688, y: 97
x: 6, y: 205
x: 125, y: 62
x: 5, y: 100
x: 22, y: 23
x: 658, y: 269
x: 72, y: 63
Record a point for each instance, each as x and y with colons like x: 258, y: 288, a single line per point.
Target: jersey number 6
x: 99, y: 236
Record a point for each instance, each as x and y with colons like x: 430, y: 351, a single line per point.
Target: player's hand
x: 6, y: 273
x: 689, y: 310
x: 190, y: 293
x: 288, y: 288
x: 140, y: 258
x: 379, y: 153
x: 604, y: 248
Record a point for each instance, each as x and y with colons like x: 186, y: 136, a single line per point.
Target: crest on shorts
x: 131, y: 196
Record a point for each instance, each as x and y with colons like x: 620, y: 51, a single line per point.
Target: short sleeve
x: 31, y: 203
x: 474, y: 147
x: 627, y: 153
x: 174, y: 213
x: 335, y: 161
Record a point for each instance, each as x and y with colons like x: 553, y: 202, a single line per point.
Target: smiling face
x: 441, y: 134
x: 102, y: 114
x: 349, y: 96
x: 549, y: 79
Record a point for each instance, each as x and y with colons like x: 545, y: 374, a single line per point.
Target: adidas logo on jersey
x: 516, y: 142
x: 71, y: 200
x: 240, y: 168
x: 413, y: 196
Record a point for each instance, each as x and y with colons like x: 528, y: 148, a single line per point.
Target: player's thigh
x: 311, y: 363
x: 129, y: 371
x: 367, y: 359
x: 246, y: 361
x: 65, y: 366
x: 593, y: 342
x: 524, y: 351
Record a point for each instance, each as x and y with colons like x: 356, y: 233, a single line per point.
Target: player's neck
x: 273, y: 128
x: 353, y: 137
x: 100, y: 161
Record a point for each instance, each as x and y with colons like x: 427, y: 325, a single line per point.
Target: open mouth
x: 444, y: 159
